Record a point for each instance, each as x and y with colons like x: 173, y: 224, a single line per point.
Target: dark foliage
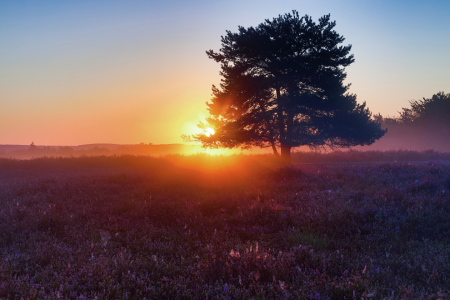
x: 283, y: 87
x: 434, y: 111
x: 424, y: 125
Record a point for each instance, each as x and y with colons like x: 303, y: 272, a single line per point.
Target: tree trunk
x: 269, y: 127
x: 280, y: 117
x: 286, y: 152
x: 274, y: 149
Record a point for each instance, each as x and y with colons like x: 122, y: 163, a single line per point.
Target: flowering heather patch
x: 198, y: 227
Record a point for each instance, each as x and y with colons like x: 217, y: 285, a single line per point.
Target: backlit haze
x: 81, y: 72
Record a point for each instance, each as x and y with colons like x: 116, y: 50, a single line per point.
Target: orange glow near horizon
x: 89, y: 73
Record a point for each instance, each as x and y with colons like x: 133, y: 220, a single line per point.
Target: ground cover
x: 223, y: 228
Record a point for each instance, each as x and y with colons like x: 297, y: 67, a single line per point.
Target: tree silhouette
x: 434, y: 111
x: 283, y: 87
x: 32, y: 147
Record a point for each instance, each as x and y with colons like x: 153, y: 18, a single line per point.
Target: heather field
x: 240, y: 227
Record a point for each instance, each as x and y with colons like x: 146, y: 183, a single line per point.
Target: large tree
x: 283, y: 87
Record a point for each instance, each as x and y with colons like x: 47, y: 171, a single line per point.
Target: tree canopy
x: 434, y: 111
x: 283, y: 87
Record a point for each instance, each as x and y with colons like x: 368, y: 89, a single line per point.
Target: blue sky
x: 120, y: 72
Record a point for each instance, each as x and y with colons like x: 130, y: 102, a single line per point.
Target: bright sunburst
x: 209, y: 131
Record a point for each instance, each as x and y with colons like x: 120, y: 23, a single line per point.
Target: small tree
x: 32, y: 147
x: 283, y: 87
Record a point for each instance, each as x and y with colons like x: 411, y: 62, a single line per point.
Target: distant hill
x: 90, y: 146
x: 25, y: 152
x: 9, y: 148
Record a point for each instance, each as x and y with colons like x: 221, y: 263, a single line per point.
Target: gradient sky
x: 80, y: 72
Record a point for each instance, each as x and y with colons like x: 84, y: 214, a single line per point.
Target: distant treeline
x: 425, y: 125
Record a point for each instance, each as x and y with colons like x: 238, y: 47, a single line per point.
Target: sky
x: 128, y: 72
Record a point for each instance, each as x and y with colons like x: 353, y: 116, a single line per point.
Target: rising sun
x: 209, y: 131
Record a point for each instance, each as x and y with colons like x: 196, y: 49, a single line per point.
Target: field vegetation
x: 238, y: 227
